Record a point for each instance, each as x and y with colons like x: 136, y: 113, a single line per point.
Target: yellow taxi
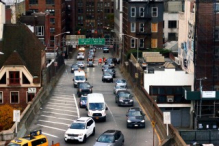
x: 34, y: 139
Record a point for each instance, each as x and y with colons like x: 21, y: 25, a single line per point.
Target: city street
x: 62, y: 108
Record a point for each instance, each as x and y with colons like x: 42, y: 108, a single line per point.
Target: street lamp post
x: 55, y: 39
x: 137, y: 39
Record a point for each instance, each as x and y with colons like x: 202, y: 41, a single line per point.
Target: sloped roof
x: 28, y: 48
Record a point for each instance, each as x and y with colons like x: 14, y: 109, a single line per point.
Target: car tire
x: 127, y: 126
x: 112, y: 81
x: 80, y: 105
x: 85, y: 139
x: 65, y: 140
x: 93, y: 133
x: 74, y: 86
x: 79, y: 95
x: 115, y: 101
x: 104, y: 119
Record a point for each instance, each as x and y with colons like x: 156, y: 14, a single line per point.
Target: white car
x: 81, y: 49
x: 80, y: 129
x: 121, y: 82
x: 119, y: 88
x: 80, y: 56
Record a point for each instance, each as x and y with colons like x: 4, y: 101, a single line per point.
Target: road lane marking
x: 61, y: 110
x: 60, y: 114
x: 51, y: 127
x: 54, y: 122
x: 59, y: 103
x: 76, y: 105
x: 63, y: 107
x: 62, y: 100
x: 50, y: 135
x: 112, y: 115
x: 57, y: 118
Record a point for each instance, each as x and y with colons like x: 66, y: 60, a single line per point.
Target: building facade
x: 57, y: 9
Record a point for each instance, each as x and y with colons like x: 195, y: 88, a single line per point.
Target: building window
x: 14, y: 77
x: 1, y: 97
x: 14, y: 97
x: 39, y: 30
x: 154, y: 11
x: 51, y: 2
x: 141, y: 43
x: 52, y: 29
x: 153, y: 43
x: 154, y: 27
x: 51, y: 11
x: 172, y: 37
x: 171, y: 24
x: 133, y: 27
x: 132, y: 43
x: 141, y: 11
x: 141, y: 27
x: 30, y: 97
x: 217, y: 7
x: 216, y: 34
x: 133, y: 11
x: 52, y: 20
x: 33, y: 2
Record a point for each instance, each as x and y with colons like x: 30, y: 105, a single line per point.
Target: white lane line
x: 53, y: 122
x: 61, y: 110
x: 76, y: 105
x: 50, y: 135
x: 62, y: 100
x: 51, y: 127
x: 60, y: 114
x: 63, y: 107
x: 112, y: 115
x: 56, y: 118
x: 59, y: 103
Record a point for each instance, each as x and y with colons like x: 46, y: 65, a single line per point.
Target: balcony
x: 145, y: 18
x: 14, y: 81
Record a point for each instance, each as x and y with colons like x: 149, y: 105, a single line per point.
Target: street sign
x: 166, y: 118
x: 91, y: 41
x: 16, y: 115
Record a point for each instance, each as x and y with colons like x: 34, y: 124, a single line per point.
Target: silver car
x: 110, y: 138
x: 81, y: 64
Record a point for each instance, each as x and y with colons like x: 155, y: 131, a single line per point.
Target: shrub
x: 6, y: 117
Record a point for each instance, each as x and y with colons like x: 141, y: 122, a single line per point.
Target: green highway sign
x: 91, y: 41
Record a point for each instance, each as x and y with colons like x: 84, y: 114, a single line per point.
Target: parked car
x: 74, y: 67
x: 135, y: 118
x: 90, y: 64
x: 111, y: 71
x: 83, y: 101
x: 105, y: 50
x: 121, y: 82
x: 80, y: 64
x: 124, y: 97
x: 110, y: 138
x: 80, y: 129
x: 80, y: 56
x: 107, y: 77
x: 119, y: 88
x: 84, y: 88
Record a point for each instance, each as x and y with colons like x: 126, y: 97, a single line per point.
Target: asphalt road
x: 62, y: 108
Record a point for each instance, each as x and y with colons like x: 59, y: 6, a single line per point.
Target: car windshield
x: 74, y: 66
x: 85, y: 85
x: 121, y: 81
x: 13, y: 144
x: 125, y: 95
x: 96, y: 106
x: 106, y: 139
x: 107, y: 74
x: 77, y: 126
x: 134, y: 113
x: 79, y: 77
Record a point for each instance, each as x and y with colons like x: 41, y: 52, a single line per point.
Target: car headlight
x: 131, y: 100
x: 142, y: 121
x: 81, y: 134
x: 121, y: 100
x: 129, y: 121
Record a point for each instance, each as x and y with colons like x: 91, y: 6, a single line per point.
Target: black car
x: 83, y: 101
x: 74, y: 67
x: 84, y: 88
x: 135, y: 118
x: 105, y: 50
x: 124, y: 98
x: 111, y: 138
x: 90, y: 64
x: 111, y: 71
x: 107, y: 77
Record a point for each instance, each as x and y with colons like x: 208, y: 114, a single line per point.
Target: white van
x: 96, y: 106
x: 79, y: 76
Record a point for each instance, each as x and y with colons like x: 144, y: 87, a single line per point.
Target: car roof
x: 82, y: 119
x: 123, y: 91
x: 110, y: 132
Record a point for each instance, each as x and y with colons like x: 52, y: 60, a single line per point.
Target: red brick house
x: 21, y: 65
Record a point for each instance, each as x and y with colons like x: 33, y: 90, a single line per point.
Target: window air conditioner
x: 170, y: 98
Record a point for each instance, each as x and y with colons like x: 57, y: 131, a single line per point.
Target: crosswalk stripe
x: 51, y: 127
x: 54, y: 122
x: 60, y: 114
x: 63, y: 107
x: 57, y: 118
x: 60, y: 104
x: 61, y: 110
